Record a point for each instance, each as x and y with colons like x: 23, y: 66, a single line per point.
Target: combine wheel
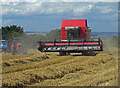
x: 62, y: 53
x: 84, y: 53
x: 89, y: 53
x: 68, y: 53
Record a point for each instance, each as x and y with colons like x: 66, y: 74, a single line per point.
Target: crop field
x: 40, y: 69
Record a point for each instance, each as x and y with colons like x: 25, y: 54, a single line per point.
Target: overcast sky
x: 37, y: 16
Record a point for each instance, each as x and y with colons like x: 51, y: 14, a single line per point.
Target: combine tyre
x: 89, y: 53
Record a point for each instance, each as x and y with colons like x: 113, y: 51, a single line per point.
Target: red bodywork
x: 82, y: 23
x: 17, y: 48
x: 87, y: 43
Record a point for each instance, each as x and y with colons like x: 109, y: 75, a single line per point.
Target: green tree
x: 54, y: 34
x: 9, y: 32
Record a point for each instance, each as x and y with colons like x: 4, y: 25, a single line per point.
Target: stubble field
x: 40, y: 69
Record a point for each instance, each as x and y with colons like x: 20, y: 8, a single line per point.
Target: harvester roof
x: 82, y: 23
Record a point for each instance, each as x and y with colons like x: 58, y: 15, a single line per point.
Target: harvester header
x: 75, y: 37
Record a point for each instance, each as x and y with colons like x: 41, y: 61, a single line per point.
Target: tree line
x: 12, y: 31
x: 30, y: 40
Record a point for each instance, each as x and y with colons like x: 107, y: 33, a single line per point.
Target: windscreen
x: 73, y: 34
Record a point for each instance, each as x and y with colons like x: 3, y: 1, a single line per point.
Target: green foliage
x: 54, y: 34
x: 9, y: 32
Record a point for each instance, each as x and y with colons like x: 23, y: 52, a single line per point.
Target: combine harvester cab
x: 75, y: 38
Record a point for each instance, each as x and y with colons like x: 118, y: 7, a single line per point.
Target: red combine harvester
x: 75, y: 38
x: 18, y: 46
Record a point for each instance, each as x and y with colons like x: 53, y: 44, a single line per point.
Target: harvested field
x: 40, y: 69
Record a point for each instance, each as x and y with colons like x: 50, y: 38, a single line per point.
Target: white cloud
x: 60, y: 0
x: 20, y: 8
x: 104, y: 9
x: 43, y: 8
x: 81, y: 10
x: 38, y: 7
